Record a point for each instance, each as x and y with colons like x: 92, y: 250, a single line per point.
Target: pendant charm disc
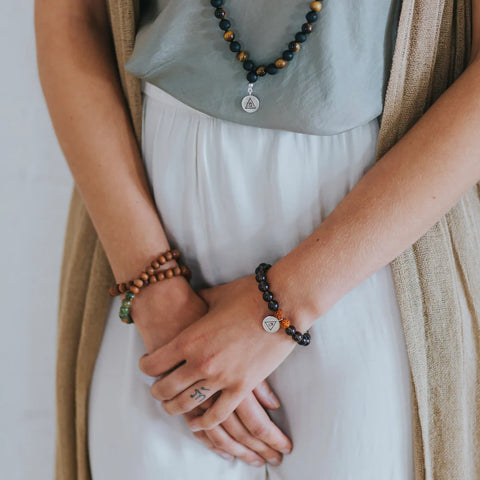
x: 250, y: 103
x: 271, y: 324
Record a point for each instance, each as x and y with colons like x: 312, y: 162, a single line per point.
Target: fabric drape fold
x: 437, y: 279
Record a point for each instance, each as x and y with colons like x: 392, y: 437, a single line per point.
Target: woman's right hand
x: 161, y: 312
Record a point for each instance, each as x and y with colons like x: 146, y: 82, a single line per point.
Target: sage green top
x: 335, y: 82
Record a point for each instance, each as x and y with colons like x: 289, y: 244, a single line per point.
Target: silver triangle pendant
x: 250, y: 103
x: 271, y: 324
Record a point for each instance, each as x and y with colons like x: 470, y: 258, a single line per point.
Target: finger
x: 162, y: 360
x: 226, y: 403
x: 169, y: 386
x: 235, y: 428
x: 189, y: 399
x: 259, y: 424
x: 223, y: 441
x: 265, y: 396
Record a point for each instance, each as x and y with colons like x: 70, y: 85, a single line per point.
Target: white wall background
x: 34, y: 194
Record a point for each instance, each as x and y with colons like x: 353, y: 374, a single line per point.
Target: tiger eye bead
x: 242, y: 56
x: 280, y: 63
x: 316, y: 6
x: 134, y: 289
x: 307, y: 28
x: 229, y: 36
x: 260, y: 71
x: 294, y: 46
x: 144, y: 276
x: 138, y: 283
x: 220, y: 13
x: 169, y: 273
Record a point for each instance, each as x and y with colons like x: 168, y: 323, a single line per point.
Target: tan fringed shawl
x: 437, y: 279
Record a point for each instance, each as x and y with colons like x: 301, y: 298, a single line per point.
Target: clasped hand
x: 225, y: 353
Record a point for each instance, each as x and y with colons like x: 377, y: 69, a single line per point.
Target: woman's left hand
x: 227, y: 350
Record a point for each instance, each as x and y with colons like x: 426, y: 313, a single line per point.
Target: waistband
x: 165, y: 98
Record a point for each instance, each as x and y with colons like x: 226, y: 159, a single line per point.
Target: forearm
x: 405, y: 193
x: 88, y: 111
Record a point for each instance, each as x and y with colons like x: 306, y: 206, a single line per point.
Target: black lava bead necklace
x: 251, y: 103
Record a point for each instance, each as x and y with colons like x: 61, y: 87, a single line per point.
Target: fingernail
x: 274, y: 400
x: 285, y: 450
x: 258, y: 463
x: 194, y: 428
x: 273, y: 461
x: 226, y: 456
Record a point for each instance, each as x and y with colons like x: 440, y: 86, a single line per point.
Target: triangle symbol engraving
x: 270, y: 324
x: 250, y: 105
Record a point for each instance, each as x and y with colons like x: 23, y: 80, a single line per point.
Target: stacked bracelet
x: 151, y: 274
x: 271, y: 323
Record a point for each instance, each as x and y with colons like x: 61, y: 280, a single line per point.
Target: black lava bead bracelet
x: 271, y: 323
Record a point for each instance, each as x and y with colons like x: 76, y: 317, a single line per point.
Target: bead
x: 169, y: 273
x: 176, y: 253
x: 279, y: 314
x: 155, y: 264
x: 294, y: 46
x: 169, y: 255
x: 235, y: 46
x: 129, y: 296
x: 220, y: 13
x: 285, y: 323
x: 271, y: 69
x: 150, y: 270
x: 126, y: 303
x: 280, y: 63
x: 184, y: 269
x: 229, y: 36
x: 305, y: 341
x: 267, y: 296
x: 138, y: 283
x: 297, y: 336
x: 134, y: 289
x: 143, y: 276
x: 224, y: 24
x: 260, y: 71
x: 177, y: 270
x: 316, y: 6
x: 260, y: 277
x: 160, y: 276
x: 123, y: 315
x: 263, y: 286
x: 121, y: 287
x: 273, y: 305
x: 242, y: 56
x: 287, y: 55
x: 162, y: 259
x: 152, y: 279
x: 252, y: 77
x: 290, y: 330
x: 248, y: 65
x: 311, y: 17
x: 307, y: 28
x: 306, y: 335
x: 145, y: 283
x: 216, y: 3
x: 300, y: 37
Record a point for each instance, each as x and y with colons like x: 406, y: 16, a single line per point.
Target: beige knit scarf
x: 437, y: 279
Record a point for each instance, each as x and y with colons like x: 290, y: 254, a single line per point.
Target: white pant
x: 231, y: 196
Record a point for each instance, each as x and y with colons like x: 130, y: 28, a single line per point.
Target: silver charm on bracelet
x: 250, y: 103
x: 271, y: 324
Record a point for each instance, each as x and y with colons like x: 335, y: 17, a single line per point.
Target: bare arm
x: 80, y: 82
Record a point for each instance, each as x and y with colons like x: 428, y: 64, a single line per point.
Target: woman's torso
x: 336, y: 82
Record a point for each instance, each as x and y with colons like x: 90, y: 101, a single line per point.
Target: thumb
x: 265, y: 396
x: 207, y: 295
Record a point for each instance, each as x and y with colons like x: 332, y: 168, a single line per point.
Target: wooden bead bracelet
x: 271, y: 323
x: 150, y: 275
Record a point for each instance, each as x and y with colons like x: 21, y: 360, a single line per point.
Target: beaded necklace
x: 251, y: 103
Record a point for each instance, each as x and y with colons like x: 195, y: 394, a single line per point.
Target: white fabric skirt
x: 230, y: 196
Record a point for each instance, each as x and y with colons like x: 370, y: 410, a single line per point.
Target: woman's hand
x: 226, y: 350
x: 160, y: 313
x: 248, y: 433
